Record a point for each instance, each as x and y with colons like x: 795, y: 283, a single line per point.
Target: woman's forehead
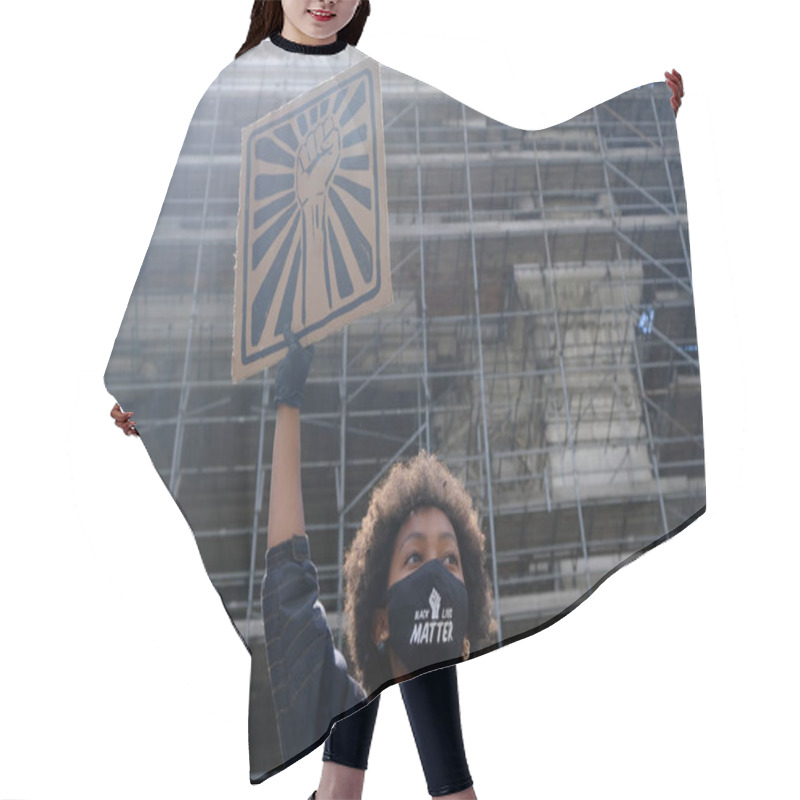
x: 428, y: 512
x: 427, y: 520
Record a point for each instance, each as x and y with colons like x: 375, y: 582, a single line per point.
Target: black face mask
x: 428, y: 613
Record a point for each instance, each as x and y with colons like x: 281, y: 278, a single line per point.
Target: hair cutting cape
x: 540, y: 340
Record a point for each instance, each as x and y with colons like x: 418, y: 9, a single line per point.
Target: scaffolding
x: 542, y: 340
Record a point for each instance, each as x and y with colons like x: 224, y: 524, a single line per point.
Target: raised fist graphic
x: 435, y: 600
x: 316, y: 162
x: 317, y: 159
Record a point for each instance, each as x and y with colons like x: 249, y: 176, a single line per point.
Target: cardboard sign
x: 312, y: 243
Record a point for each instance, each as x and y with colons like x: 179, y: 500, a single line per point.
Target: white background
x: 120, y: 675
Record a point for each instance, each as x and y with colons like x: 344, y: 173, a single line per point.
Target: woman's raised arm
x: 285, y: 518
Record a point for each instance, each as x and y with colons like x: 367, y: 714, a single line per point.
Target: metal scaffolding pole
x: 366, y: 381
x: 643, y: 394
x: 671, y: 187
x: 654, y: 457
x: 259, y: 495
x: 339, y: 475
x: 424, y: 304
x: 654, y: 261
x: 565, y: 392
x: 442, y: 374
x: 484, y: 421
x: 177, y: 448
x: 631, y: 182
x: 615, y: 215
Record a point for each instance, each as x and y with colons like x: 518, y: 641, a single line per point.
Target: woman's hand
x: 124, y: 420
x: 675, y: 82
x: 290, y: 378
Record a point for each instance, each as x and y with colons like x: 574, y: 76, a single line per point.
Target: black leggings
x: 433, y: 711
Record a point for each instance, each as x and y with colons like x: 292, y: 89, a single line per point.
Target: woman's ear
x: 380, y: 628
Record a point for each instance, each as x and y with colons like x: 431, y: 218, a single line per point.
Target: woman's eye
x: 413, y: 558
x: 451, y: 559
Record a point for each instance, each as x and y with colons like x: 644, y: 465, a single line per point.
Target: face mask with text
x: 428, y: 613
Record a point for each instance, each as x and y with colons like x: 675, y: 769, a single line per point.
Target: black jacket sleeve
x: 308, y: 675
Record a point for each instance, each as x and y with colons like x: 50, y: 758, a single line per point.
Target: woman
x: 417, y: 595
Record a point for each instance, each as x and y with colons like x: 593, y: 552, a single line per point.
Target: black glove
x: 292, y: 372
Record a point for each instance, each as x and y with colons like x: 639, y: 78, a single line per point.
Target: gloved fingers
x: 290, y: 337
x: 294, y: 343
